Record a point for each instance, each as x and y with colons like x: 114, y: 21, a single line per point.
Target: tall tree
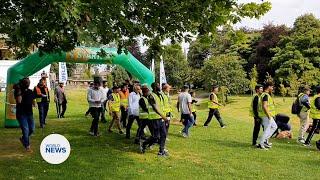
x: 57, y: 25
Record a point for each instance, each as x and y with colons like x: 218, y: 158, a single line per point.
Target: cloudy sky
x: 282, y: 12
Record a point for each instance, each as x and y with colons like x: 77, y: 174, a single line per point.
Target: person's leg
x: 152, y: 125
x: 303, y: 116
x: 25, y: 130
x: 64, y: 108
x: 123, y: 116
x: 185, y: 123
x: 315, y: 124
x: 195, y: 118
x: 266, y: 132
x: 31, y: 124
x: 167, y: 123
x: 138, y: 135
x: 273, y: 127
x: 96, y: 121
x: 256, y: 130
x: 45, y: 109
x: 113, y: 114
x: 189, y: 124
x: 58, y: 106
x: 41, y: 114
x: 117, y: 121
x: 129, y: 125
x: 210, y: 115
x: 103, y: 113
x: 142, y: 125
x: 163, y: 136
x: 218, y: 117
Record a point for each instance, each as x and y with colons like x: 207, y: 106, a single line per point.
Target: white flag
x: 163, y: 78
x: 63, y: 74
x: 152, y: 66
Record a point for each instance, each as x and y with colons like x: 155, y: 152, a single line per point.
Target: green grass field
x: 211, y: 153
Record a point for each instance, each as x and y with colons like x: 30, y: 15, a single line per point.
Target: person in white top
x: 133, y: 111
x: 104, y: 90
x: 184, y: 105
x: 95, y: 99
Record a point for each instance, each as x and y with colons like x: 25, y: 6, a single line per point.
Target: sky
x: 282, y: 12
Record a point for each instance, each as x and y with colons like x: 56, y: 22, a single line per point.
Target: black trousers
x: 256, y: 130
x: 43, y: 108
x: 195, y: 117
x: 129, y: 125
x: 95, y: 112
x: 167, y: 123
x: 315, y: 126
x: 159, y: 135
x: 144, y: 124
x: 103, y: 112
x: 62, y: 109
x: 216, y: 113
x: 124, y: 115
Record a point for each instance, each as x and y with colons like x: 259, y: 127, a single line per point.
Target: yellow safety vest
x: 251, y: 106
x: 159, y: 105
x: 211, y: 104
x: 166, y: 103
x: 271, y: 106
x: 143, y: 114
x: 115, y: 104
x: 314, y: 112
x: 193, y: 106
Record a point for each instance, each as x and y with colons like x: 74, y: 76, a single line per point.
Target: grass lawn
x: 210, y: 153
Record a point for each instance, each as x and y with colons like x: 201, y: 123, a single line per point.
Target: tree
x: 283, y: 89
x: 293, y: 84
x: 119, y: 75
x: 60, y: 25
x: 225, y: 70
x: 253, y: 78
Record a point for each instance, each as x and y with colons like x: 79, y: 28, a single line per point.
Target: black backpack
x: 296, y: 107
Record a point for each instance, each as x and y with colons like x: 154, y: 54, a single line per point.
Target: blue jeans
x: 188, y: 122
x: 27, y: 127
x: 43, y: 111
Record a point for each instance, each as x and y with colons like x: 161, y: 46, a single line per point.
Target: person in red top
x: 43, y: 99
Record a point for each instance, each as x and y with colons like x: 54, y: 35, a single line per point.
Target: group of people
x: 26, y: 99
x: 263, y: 110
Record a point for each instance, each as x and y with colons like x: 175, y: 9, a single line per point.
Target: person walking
x: 213, y: 105
x: 43, y: 99
x: 267, y: 112
x: 133, y: 111
x: 167, y: 105
x: 95, y: 99
x: 24, y: 102
x: 304, y: 103
x: 184, y: 105
x: 61, y: 100
x: 255, y: 114
x: 124, y: 95
x: 157, y: 118
x: 114, y: 109
x: 105, y: 91
x: 315, y: 115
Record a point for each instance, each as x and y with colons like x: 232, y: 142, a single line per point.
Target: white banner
x: 152, y: 66
x: 163, y: 78
x: 63, y: 74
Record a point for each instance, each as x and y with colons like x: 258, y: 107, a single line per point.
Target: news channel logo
x: 55, y: 149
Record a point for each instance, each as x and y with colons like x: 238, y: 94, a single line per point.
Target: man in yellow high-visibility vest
x: 167, y: 104
x: 315, y: 115
x: 114, y: 108
x: 124, y: 99
x: 213, y: 105
x: 267, y: 113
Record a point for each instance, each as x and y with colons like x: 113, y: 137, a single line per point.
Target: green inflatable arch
x: 35, y: 62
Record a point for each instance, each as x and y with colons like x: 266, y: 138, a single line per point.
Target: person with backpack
x: 303, y: 114
x: 315, y: 115
x: 254, y: 113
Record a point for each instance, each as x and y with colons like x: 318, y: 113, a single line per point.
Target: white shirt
x: 133, y: 107
x: 95, y: 95
x: 184, y: 98
x: 104, y: 91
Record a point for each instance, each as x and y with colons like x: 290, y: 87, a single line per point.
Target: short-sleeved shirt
x: 184, y: 98
x: 25, y: 107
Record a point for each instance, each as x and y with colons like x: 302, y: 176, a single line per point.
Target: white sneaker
x: 261, y: 146
x: 184, y: 135
x: 302, y: 141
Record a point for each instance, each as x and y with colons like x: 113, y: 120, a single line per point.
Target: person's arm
x: 130, y: 100
x: 155, y: 108
x: 255, y: 106
x: 189, y: 103
x: 178, y: 105
x: 36, y: 93
x: 89, y: 97
x: 317, y: 103
x: 265, y: 106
